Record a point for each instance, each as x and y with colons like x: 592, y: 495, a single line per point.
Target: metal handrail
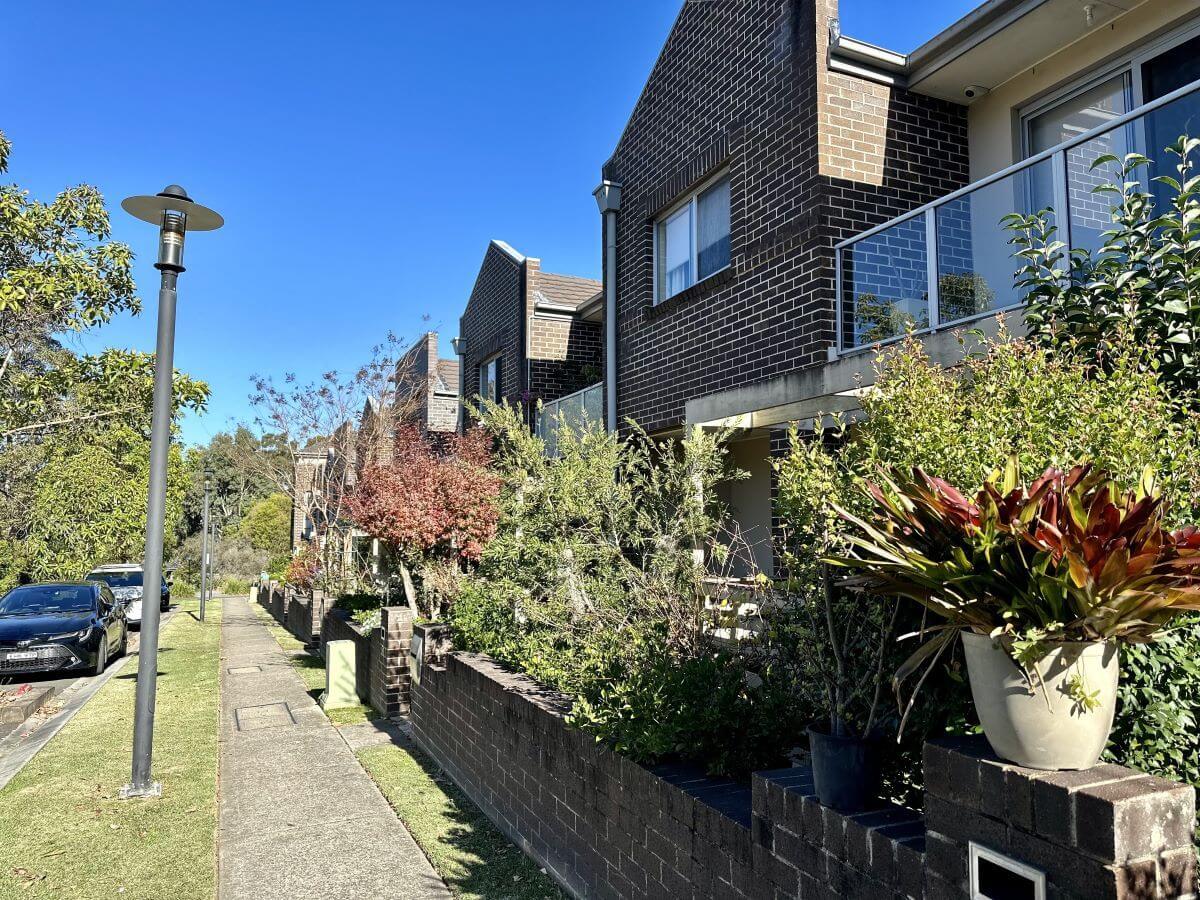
x: 1056, y: 155
x: 1029, y: 162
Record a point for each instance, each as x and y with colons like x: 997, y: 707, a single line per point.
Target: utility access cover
x: 269, y: 715
x: 243, y: 670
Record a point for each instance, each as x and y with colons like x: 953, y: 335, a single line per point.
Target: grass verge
x: 63, y: 832
x: 311, y: 669
x: 472, y: 856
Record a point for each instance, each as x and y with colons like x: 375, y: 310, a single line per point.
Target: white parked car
x: 125, y: 581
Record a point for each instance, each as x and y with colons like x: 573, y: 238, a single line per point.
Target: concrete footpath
x: 298, y: 815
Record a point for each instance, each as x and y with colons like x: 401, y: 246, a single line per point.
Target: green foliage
x: 89, y: 506
x: 1070, y: 557
x: 363, y: 608
x: 1008, y: 398
x: 267, y: 524
x: 73, y: 427
x: 234, y: 586
x: 1143, y: 282
x: 594, y: 584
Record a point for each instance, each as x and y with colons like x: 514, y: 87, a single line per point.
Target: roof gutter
x: 847, y: 54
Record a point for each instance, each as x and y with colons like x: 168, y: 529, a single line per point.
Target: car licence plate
x: 19, y: 655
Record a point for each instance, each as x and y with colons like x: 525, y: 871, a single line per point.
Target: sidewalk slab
x: 298, y: 815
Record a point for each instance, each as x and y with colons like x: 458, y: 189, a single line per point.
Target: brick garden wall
x: 380, y: 656
x: 603, y: 826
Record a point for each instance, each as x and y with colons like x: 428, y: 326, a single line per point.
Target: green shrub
x: 234, y: 586
x: 363, y: 608
x: 592, y: 585
x: 1009, y: 397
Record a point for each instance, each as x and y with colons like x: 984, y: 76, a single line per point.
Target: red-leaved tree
x: 429, y: 503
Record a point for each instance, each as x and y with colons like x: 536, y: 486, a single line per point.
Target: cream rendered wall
x: 993, y: 127
x: 992, y: 124
x: 750, y: 499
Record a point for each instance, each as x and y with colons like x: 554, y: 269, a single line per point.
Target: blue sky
x: 362, y: 153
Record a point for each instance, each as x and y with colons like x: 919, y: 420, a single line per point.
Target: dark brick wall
x: 299, y: 614
x: 390, y: 687
x: 380, y: 657
x: 814, y: 157
x: 494, y: 322
x: 605, y: 827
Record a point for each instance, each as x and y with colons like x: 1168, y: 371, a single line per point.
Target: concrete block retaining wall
x: 606, y: 827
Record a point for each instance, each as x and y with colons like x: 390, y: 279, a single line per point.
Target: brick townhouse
x: 528, y: 335
x: 784, y: 197
x: 429, y: 384
x: 426, y: 389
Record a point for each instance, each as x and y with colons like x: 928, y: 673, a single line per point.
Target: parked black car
x: 61, y: 626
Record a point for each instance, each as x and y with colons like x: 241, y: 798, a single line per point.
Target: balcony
x: 580, y: 410
x: 949, y: 262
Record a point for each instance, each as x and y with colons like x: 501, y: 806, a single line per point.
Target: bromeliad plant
x: 1071, y: 557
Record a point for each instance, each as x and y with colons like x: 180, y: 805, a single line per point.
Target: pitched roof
x: 566, y: 290
x: 447, y: 376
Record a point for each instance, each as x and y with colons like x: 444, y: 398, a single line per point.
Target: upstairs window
x: 692, y: 240
x: 489, y: 379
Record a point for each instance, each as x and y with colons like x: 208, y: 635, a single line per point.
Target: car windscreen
x: 118, y: 579
x: 35, y: 599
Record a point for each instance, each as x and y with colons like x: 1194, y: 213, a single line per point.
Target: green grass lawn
x: 63, y: 832
x: 311, y: 669
x: 470, y: 854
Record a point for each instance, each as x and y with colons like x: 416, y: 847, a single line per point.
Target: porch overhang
x: 988, y: 46
x: 826, y: 390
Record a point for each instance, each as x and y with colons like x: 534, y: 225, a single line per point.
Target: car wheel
x: 101, y: 658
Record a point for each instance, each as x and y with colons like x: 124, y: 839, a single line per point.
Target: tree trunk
x: 410, y: 591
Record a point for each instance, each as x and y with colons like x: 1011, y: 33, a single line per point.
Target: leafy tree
x: 63, y: 416
x: 267, y: 525
x: 89, y: 506
x: 349, y: 421
x: 429, y: 503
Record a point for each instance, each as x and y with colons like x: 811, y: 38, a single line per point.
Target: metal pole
x: 141, y: 784
x: 204, y: 553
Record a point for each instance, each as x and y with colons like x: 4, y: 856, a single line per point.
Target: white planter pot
x: 1039, y: 724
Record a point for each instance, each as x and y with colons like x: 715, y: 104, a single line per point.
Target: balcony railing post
x: 839, y: 322
x: 931, y: 264
x: 1062, y: 203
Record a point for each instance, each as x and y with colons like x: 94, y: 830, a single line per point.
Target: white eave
x: 984, y: 49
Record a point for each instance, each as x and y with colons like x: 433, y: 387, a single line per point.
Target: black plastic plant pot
x: 846, y: 772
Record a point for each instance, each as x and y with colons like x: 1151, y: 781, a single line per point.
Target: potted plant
x: 1042, y: 582
x: 838, y: 644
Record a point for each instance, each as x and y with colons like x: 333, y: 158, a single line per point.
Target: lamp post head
x: 175, y: 214
x: 208, y: 475
x: 608, y: 196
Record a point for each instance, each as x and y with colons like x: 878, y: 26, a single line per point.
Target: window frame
x: 690, y: 200
x: 1129, y: 63
x: 493, y: 360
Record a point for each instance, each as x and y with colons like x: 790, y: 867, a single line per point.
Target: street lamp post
x: 175, y: 214
x: 204, y: 544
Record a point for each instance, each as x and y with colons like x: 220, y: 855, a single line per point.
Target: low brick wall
x: 301, y: 615
x: 606, y: 827
x: 380, y: 654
